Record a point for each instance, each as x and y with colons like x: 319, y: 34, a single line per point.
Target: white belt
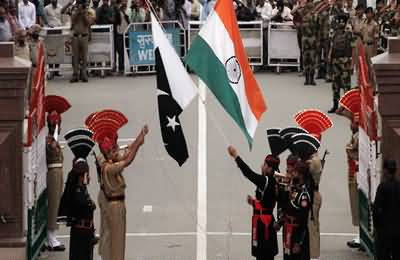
x: 54, y: 165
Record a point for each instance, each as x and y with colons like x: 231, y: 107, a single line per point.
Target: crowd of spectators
x: 17, y: 17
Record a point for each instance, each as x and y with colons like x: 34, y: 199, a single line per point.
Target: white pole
x: 201, y: 236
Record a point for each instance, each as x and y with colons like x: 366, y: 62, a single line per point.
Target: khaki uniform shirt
x: 113, y: 181
x: 370, y: 32
x: 315, y: 168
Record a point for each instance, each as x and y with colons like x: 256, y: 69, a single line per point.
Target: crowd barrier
x: 283, y: 48
x: 252, y: 36
x: 59, y: 48
x: 139, y: 48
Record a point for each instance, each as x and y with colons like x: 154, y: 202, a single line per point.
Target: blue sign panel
x: 142, y: 49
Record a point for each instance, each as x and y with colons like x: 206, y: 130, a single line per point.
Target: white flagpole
x: 201, y: 235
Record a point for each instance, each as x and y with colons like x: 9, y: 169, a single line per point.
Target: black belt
x: 83, y: 223
x: 112, y: 198
x: 80, y: 34
x: 116, y: 198
x: 262, y: 212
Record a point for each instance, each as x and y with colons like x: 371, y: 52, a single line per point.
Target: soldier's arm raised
x: 134, y: 147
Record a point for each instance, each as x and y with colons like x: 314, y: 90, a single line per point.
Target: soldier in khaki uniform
x: 370, y: 34
x: 350, y: 107
x: 55, y: 106
x: 357, y: 23
x: 307, y: 120
x: 112, y: 185
x: 81, y: 20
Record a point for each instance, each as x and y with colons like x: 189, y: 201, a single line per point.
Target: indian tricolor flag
x: 218, y: 57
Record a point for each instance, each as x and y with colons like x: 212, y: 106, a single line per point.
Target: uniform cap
x: 80, y: 142
x: 55, y: 106
x: 351, y: 101
x: 314, y: 121
x: 276, y: 142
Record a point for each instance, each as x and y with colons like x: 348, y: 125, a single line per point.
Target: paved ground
x: 168, y: 231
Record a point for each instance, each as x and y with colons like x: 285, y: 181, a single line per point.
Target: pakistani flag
x: 175, y: 90
x: 218, y: 57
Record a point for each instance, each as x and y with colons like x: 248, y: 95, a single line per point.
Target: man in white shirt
x: 27, y: 14
x: 264, y: 10
x: 53, y: 13
x: 281, y: 13
x: 5, y: 28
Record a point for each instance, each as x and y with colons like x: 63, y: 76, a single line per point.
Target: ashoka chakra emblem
x: 233, y: 70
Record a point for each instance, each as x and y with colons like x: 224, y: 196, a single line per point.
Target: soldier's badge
x: 233, y: 70
x: 304, y: 203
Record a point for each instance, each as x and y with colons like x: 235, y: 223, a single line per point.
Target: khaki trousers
x: 54, y: 191
x: 313, y: 226
x: 79, y: 56
x: 113, y: 229
x: 353, y: 196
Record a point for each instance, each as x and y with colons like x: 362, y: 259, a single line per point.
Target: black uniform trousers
x: 81, y: 244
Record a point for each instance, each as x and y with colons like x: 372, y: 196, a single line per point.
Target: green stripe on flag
x: 202, y: 60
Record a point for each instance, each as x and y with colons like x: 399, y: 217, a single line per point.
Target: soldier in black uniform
x: 76, y: 204
x: 386, y: 212
x: 264, y: 238
x: 295, y: 216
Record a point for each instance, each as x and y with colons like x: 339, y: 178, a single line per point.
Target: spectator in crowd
x: 5, y: 29
x: 95, y: 4
x: 264, y: 11
x: 21, y: 47
x: 208, y: 7
x: 137, y: 13
x: 245, y: 12
x: 66, y: 12
x: 40, y: 16
x: 26, y: 14
x: 281, y: 13
x: 182, y: 13
x: 122, y: 24
x: 104, y: 14
x: 395, y: 23
x: 13, y: 19
x: 195, y: 10
x: 386, y: 212
x: 53, y: 14
x: 169, y: 9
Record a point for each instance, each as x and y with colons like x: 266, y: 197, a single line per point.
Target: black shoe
x: 332, y: 110
x: 59, y: 248
x: 57, y: 74
x: 74, y: 80
x: 353, y: 244
x: 85, y: 80
x: 328, y: 80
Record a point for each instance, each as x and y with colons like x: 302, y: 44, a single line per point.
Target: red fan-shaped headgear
x: 351, y: 101
x: 314, y: 121
x: 89, y: 119
x: 105, y: 125
x: 110, y: 114
x: 55, y: 106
